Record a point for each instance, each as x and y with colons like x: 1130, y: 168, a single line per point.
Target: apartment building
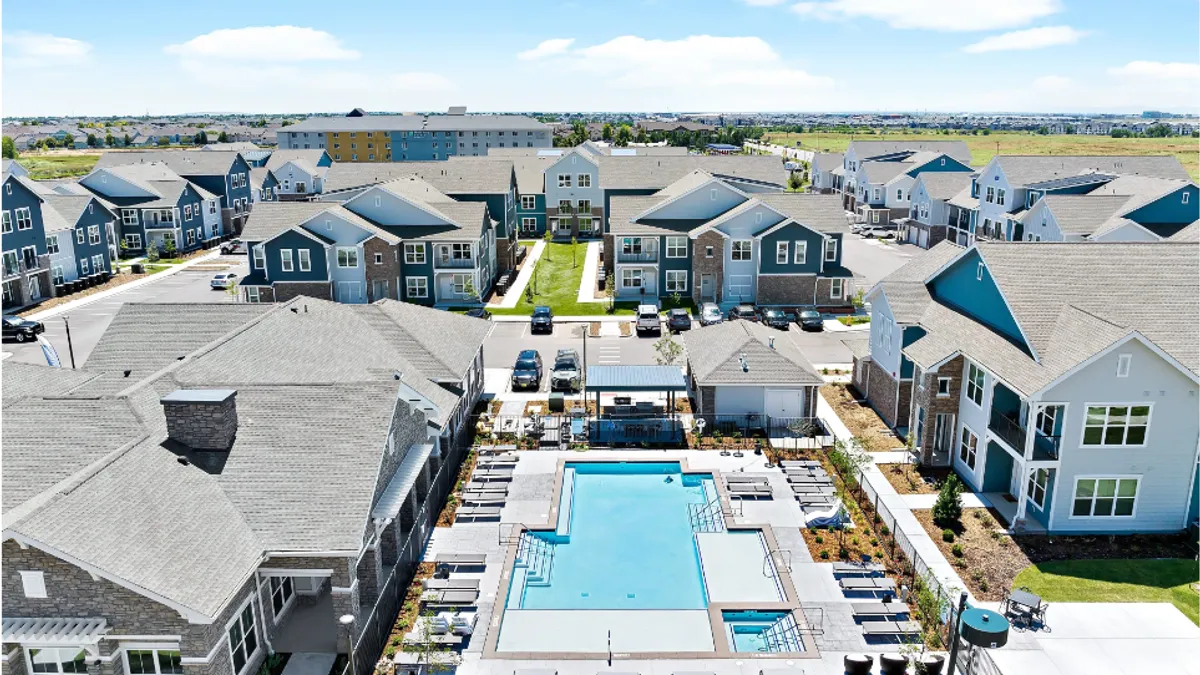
x: 26, y: 260
x: 858, y: 183
x: 157, y: 206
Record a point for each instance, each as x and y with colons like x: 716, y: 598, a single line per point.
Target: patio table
x: 1025, y: 599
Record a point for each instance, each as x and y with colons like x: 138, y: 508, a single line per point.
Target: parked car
x: 224, y: 280
x: 233, y: 246
x: 542, y: 320
x: 679, y: 320
x: 876, y: 232
x: 810, y: 319
x: 568, y: 371
x: 16, y: 328
x: 648, y: 319
x: 479, y: 313
x: 527, y: 373
x: 710, y: 313
x: 746, y: 312
x: 777, y: 318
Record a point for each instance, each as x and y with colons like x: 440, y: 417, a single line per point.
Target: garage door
x: 784, y: 402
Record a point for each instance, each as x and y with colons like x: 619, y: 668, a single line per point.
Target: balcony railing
x: 452, y: 262
x: 1013, y: 433
x: 642, y: 256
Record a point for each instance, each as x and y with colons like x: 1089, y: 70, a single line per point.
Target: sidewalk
x: 517, y: 289
x: 602, y: 318
x: 591, y: 265
x: 86, y: 300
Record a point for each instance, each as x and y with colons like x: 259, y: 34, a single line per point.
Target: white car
x: 224, y: 281
x: 876, y: 232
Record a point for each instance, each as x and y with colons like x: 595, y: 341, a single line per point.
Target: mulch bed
x: 119, y: 280
x: 446, y: 517
x: 409, y: 611
x: 862, y: 420
x: 909, y: 479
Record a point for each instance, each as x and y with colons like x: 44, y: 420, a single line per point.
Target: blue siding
x: 937, y: 166
x: 98, y: 217
x: 23, y: 197
x: 790, y: 234
x: 418, y: 270
x: 408, y: 146
x: 294, y: 240
x: 910, y: 335
x: 665, y: 263
x: 538, y: 212
x: 998, y: 472
x: 1169, y: 209
x: 978, y: 298
x: 497, y: 210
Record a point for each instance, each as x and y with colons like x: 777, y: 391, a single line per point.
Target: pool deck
x: 813, y: 594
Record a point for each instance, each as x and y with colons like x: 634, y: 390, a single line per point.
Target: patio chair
x: 895, y: 629
x: 869, y: 569
x: 874, y: 610
x: 488, y: 475
x: 815, y: 501
x: 484, y: 498
x: 495, y: 462
x: 450, y: 584
x: 477, y: 486
x: 805, y: 471
x: 461, y: 559
x: 813, y: 489
x: 794, y: 463
x: 478, y: 513
x: 745, y: 478
x: 831, y: 516
x: 453, y: 598
x: 867, y: 584
x: 752, y: 490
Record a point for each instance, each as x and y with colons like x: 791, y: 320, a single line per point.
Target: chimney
x: 202, y: 419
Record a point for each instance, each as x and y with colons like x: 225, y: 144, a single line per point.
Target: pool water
x: 630, y: 544
x: 749, y: 632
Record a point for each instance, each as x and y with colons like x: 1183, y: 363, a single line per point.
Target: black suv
x: 527, y: 373
x: 746, y: 312
x: 542, y: 319
x: 777, y: 318
x: 16, y: 328
x: 567, y: 371
x: 679, y: 320
x: 810, y: 319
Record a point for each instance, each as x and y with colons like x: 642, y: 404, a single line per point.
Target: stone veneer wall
x: 882, y: 394
x: 313, y: 289
x: 786, y: 289
x: 904, y: 403
x: 388, y: 269
x: 824, y: 284
x: 203, y: 425
x: 610, y: 254
x: 926, y: 397
x: 702, y: 264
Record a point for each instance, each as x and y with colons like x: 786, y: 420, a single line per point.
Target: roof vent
x: 771, y: 342
x: 202, y: 419
x: 742, y: 361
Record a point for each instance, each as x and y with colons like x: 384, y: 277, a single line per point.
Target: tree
x: 222, y: 138
x: 1158, y: 130
x: 548, y: 236
x: 10, y: 148
x: 68, y: 141
x: 109, y: 140
x: 1043, y: 131
x: 164, y: 141
x: 127, y: 141
x: 1121, y: 133
x: 606, y: 132
x: 432, y: 656
x: 574, y: 244
x: 469, y: 290
x: 169, y: 248
x: 641, y: 135
x: 610, y: 292
x: 668, y: 350
x: 795, y: 181
x: 624, y: 135
x: 947, y: 510
x: 202, y: 138
x: 152, y: 253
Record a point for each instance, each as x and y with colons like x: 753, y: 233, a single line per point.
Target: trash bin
x: 556, y: 401
x: 137, y: 268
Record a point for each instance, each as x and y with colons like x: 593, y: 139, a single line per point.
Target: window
x: 528, y: 202
x: 243, y: 638
x: 1000, y: 196
x: 708, y: 251
x: 212, y: 206
x: 631, y: 245
x: 7, y: 222
x: 285, y: 257
x: 584, y: 180
x: 133, y: 240
x: 378, y: 258
x: 1105, y: 497
x: 585, y: 206
x: 837, y: 289
x: 260, y: 257
x: 899, y: 195
x: 98, y: 262
x: 677, y: 247
x: 874, y: 216
x: 885, y: 336
x: 61, y: 660
x: 1116, y: 425
x: 991, y: 195
x: 585, y: 224
x: 564, y: 180
x: 741, y: 250
x: 677, y: 281
x: 347, y: 256
x: 79, y: 235
x: 305, y: 259
x: 459, y: 283
x: 975, y: 384
x: 564, y: 206
x: 93, y: 234
x: 967, y: 447
x: 781, y: 252
x: 830, y: 250
x: 979, y: 272
x: 24, y: 220
x: 1123, y: 363
x: 153, y: 662
x: 34, y: 584
x: 528, y: 224
x: 83, y: 267
x: 878, y: 193
x: 56, y: 275
x: 943, y: 386
x: 52, y: 244
x: 631, y: 278
x: 1036, y: 489
x: 281, y: 594
x: 1185, y: 197
x: 187, y: 211
x: 800, y: 256
x: 416, y: 287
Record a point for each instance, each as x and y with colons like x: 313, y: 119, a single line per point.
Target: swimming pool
x: 630, y: 543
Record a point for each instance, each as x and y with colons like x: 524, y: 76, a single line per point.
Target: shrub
x: 823, y: 555
x: 874, y: 541
x: 819, y: 539
x: 947, y: 510
x: 957, y: 550
x: 843, y: 553
x: 983, y: 585
x: 948, y: 535
x: 978, y: 514
x: 883, y: 529
x: 879, y: 555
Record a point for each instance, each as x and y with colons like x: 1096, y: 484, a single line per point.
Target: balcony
x: 638, y: 256
x: 451, y: 262
x: 1014, y: 434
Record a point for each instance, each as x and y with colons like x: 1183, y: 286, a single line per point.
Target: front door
x: 35, y: 289
x: 707, y: 284
x: 350, y: 291
x: 943, y: 429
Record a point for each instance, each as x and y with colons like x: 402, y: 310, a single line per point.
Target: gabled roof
x: 944, y: 185
x: 459, y: 175
x: 826, y: 161
x: 280, y: 157
x: 68, y: 208
x: 823, y: 213
x: 268, y: 219
x: 657, y: 172
x: 907, y: 295
x: 1021, y: 170
x: 182, y: 162
x: 1189, y: 234
x: 963, y: 199
x: 865, y: 150
x: 746, y: 352
x: 882, y: 172
x: 1083, y: 214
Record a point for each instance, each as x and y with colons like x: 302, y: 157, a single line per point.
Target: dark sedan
x: 542, y: 320
x: 777, y: 318
x: 746, y: 312
x: 679, y: 320
x: 810, y: 319
x: 21, y: 330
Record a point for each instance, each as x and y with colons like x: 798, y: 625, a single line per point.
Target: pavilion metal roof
x: 635, y: 378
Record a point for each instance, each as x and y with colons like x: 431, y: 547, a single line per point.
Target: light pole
x: 347, y: 620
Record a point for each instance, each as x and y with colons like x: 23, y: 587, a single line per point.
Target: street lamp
x: 347, y: 620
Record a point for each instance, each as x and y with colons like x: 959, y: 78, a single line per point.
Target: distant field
x: 983, y: 148
x: 58, y: 165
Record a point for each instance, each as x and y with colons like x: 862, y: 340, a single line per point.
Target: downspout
x: 261, y: 611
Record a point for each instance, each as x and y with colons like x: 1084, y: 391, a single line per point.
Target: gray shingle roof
x: 1189, y: 234
x: 416, y: 123
x: 715, y: 356
x: 827, y: 161
x: 657, y: 172
x: 905, y: 288
x: 867, y: 149
x: 944, y: 185
x: 1083, y: 214
x: 182, y: 162
x: 882, y: 172
x: 427, y: 332
x: 823, y: 213
x: 1025, y: 169
x: 464, y: 175
x: 22, y: 380
x: 280, y: 157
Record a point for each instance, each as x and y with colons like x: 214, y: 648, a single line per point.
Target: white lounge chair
x: 827, y: 517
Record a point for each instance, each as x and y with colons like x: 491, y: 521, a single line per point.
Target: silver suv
x: 648, y: 319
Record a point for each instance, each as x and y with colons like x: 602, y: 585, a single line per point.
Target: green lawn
x: 49, y: 166
x: 1164, y: 580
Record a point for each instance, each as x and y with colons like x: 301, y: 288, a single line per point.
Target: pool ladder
x: 783, y: 636
x: 536, y: 555
x: 707, y: 517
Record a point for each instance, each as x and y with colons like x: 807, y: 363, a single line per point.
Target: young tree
x: 947, y: 510
x: 127, y: 141
x: 668, y: 350
x: 795, y: 181
x: 152, y: 253
x: 222, y: 138
x: 10, y: 148
x: 624, y: 135
x: 68, y: 141
x: 92, y: 141
x: 169, y: 248
x: 606, y: 133
x: 432, y: 656
x: 109, y: 140
x: 164, y: 141
x: 470, y: 291
x: 574, y: 244
x: 610, y: 292
x: 548, y: 237
x: 641, y: 135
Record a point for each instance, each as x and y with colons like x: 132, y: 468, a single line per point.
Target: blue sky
x: 652, y: 55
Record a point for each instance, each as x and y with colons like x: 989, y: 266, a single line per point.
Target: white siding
x: 733, y: 400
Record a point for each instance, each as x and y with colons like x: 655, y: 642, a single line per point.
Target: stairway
x: 536, y: 556
x: 706, y: 517
x: 783, y: 635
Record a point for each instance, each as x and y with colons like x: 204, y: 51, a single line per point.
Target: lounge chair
x: 805, y: 469
x: 496, y: 461
x: 799, y: 463
x: 484, y: 499
x: 867, y: 584
x: 890, y: 628
x: 477, y: 486
x: 877, y: 609
x: 460, y: 623
x: 868, y: 569
x: 831, y: 516
x: 498, y: 475
x: 450, y: 584
x: 507, y: 456
x: 452, y: 598
x: 816, y: 504
x: 477, y: 512
x: 813, y: 489
x: 461, y: 559
x: 809, y: 480
x: 754, y: 490
x: 745, y: 478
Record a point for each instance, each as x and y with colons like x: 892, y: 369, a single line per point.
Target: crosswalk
x: 609, y: 355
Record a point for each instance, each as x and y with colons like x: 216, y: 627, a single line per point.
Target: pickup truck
x: 648, y: 319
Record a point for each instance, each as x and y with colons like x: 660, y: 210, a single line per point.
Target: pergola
x: 632, y: 380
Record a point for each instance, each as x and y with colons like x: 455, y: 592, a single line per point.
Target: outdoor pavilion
x: 629, y: 421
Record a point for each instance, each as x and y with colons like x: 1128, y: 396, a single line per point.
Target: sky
x: 157, y: 58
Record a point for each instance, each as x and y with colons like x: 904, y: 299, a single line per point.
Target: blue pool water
x: 747, y: 632
x: 630, y: 544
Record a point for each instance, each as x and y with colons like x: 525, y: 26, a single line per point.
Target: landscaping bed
x: 446, y: 517
x: 409, y: 611
x: 118, y: 280
x: 862, y: 421
x: 912, y: 479
x: 853, y: 320
x: 1166, y: 580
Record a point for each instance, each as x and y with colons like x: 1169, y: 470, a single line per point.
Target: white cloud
x: 764, y: 3
x: 940, y: 15
x: 1033, y: 38
x: 35, y: 50
x: 546, y: 48
x: 1158, y: 70
x: 265, y: 43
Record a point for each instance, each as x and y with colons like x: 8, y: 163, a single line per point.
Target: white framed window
x: 708, y: 251
x: 33, y: 583
x: 260, y: 257
x: 1185, y: 196
x: 282, y: 594
x: 83, y: 267
x: 584, y: 180
x: 741, y: 249
x: 285, y: 259
x: 93, y: 234
x: 676, y: 281
x: 79, y: 236
x: 885, y: 336
x: 1116, y: 425
x: 56, y: 275
x: 529, y: 202
x: 1106, y: 497
x: 1000, y: 196
x: 874, y: 216
x: 57, y: 660
x: 528, y: 224
x: 212, y: 206
x: 585, y: 224
x: 24, y: 220
x: 585, y: 206
x: 967, y: 447
x: 98, y: 262
x: 979, y: 272
x: 7, y: 222
x: 991, y: 195
x: 141, y: 660
x: 252, y: 294
x: 305, y: 259
x: 416, y: 287
x: 347, y: 256
x: 781, y: 252
x: 378, y: 258
x: 187, y: 211
x: 878, y: 193
x: 677, y: 247
x: 975, y: 381
x: 1036, y: 488
x: 243, y: 638
x: 830, y: 250
x: 943, y: 387
x: 631, y: 278
x: 712, y: 194
x: 133, y: 240
x: 837, y: 289
x: 800, y: 252
x: 414, y: 254
x: 1123, y: 364
x: 52, y: 244
x: 459, y: 283
x: 564, y: 180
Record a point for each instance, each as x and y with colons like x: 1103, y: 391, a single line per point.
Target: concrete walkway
x: 895, y: 504
x: 517, y: 288
x: 76, y: 304
x: 591, y: 266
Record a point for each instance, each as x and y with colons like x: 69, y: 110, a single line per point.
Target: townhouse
x: 401, y: 138
x: 26, y: 260
x: 1126, y: 208
x: 402, y: 239
x: 12, y: 166
x: 1068, y: 399
x: 931, y: 215
x: 225, y: 174
x: 884, y: 187
x: 821, y: 170
x: 81, y: 238
x: 857, y: 184
x: 703, y: 237
x: 157, y: 206
x: 301, y: 489
x: 293, y: 174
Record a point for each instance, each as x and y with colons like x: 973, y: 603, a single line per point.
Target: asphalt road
x: 508, y: 339
x: 89, y: 322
